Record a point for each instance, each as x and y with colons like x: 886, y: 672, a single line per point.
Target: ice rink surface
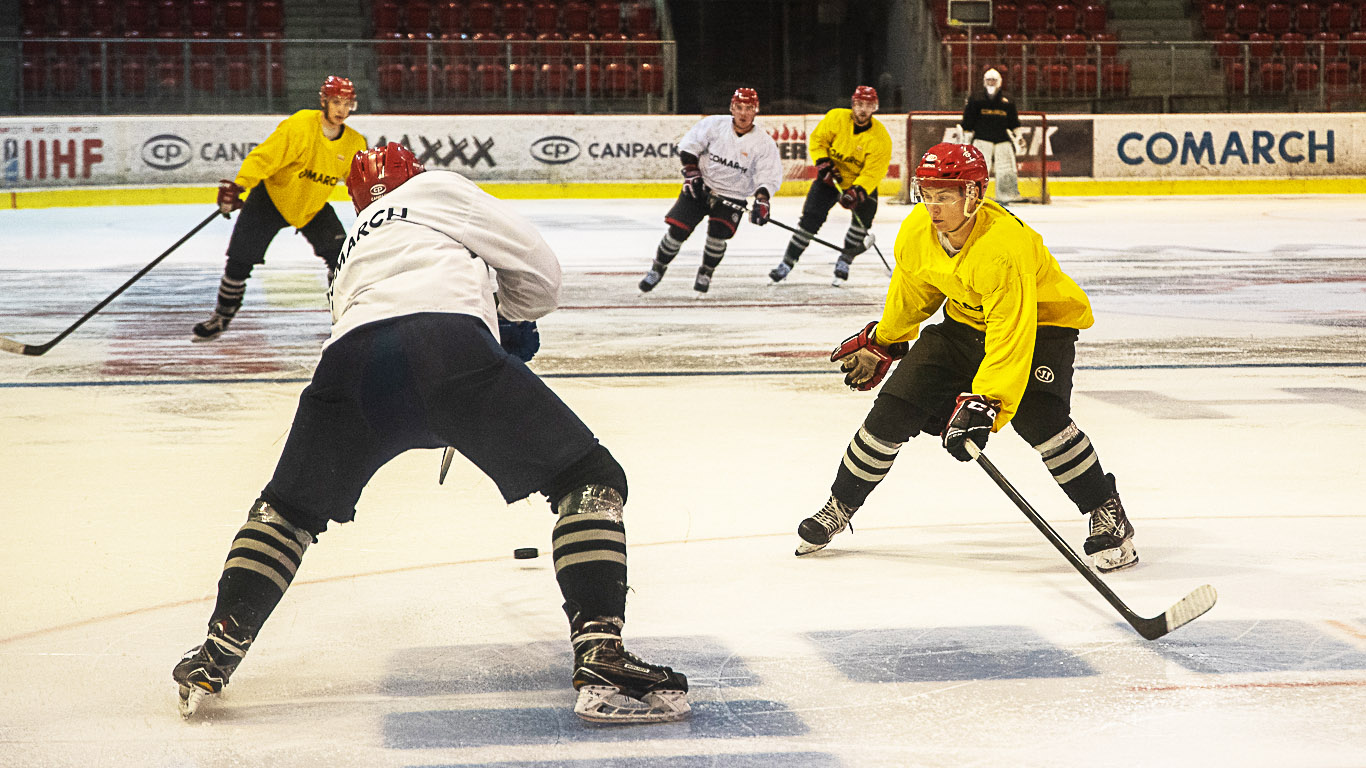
x: 1224, y: 384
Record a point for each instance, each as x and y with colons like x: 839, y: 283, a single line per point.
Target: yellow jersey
x: 1003, y: 282
x: 862, y: 158
x: 300, y: 165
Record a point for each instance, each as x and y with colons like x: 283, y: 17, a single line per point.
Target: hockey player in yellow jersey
x: 1003, y: 354
x: 290, y: 176
x: 851, y: 151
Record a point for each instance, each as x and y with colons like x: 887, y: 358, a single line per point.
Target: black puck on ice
x: 525, y: 553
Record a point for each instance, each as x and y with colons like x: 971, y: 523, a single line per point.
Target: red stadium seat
x: 1308, y: 18
x: 235, y: 16
x: 482, y: 18
x: 169, y: 75
x: 961, y: 78
x: 201, y: 16
x: 417, y: 18
x: 239, y: 81
x: 390, y: 77
x: 578, y: 17
x: 552, y: 46
x: 450, y: 18
x: 132, y: 77
x: 1012, y: 48
x: 1235, y: 77
x: 519, y: 45
x: 100, y: 18
x: 1306, y: 76
x: 203, y: 76
x: 33, y: 15
x: 1338, y: 18
x: 1065, y: 18
x: 1228, y: 46
x: 1247, y: 18
x: 522, y: 78
x: 1114, y: 78
x: 69, y: 15
x: 651, y: 78
x: 1277, y: 20
x: 1293, y: 46
x: 1084, y: 75
x: 456, y: 77
x: 545, y: 18
x: 1106, y: 45
x: 614, y: 45
x: 386, y: 16
x: 985, y: 47
x: 554, y: 79
x: 491, y: 79
x: 1260, y: 46
x: 1024, y: 78
x: 587, y: 77
x: 1329, y: 43
x: 619, y: 79
x: 1034, y: 19
x: 516, y: 17
x: 1337, y: 75
x: 270, y: 17
x: 956, y: 44
x: 640, y: 18
x: 1095, y: 19
x: 1213, y: 18
x: 422, y: 78
x: 169, y: 16
x: 137, y: 18
x: 1055, y: 78
x: 1045, y: 48
x: 1075, y: 48
x: 1355, y: 48
x: 1006, y: 19
x: 275, y: 74
x: 607, y: 18
x: 1273, y: 77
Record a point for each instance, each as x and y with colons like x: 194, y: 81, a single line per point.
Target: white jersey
x: 734, y: 166
x: 428, y: 246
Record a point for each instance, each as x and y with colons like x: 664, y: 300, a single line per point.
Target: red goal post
x: 926, y: 128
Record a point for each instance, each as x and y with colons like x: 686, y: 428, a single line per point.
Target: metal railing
x: 209, y: 75
x: 1201, y: 76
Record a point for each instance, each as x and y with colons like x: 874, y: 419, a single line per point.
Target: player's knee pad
x: 678, y: 231
x: 894, y: 420
x: 1040, y: 417
x: 597, y: 468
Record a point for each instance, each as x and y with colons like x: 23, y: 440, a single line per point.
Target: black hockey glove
x: 853, y: 197
x: 972, y: 420
x: 519, y: 338
x: 827, y: 173
x: 758, y: 213
x: 693, y: 185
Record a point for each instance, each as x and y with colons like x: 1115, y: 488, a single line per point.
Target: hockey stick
x: 1186, y: 610
x: 859, y: 222
x: 446, y: 458
x: 867, y: 241
x: 9, y: 345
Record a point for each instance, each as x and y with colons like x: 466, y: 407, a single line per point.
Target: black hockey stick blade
x: 18, y: 348
x: 1186, y: 610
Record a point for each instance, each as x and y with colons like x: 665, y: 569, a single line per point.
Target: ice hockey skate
x: 653, y: 277
x: 616, y: 686
x: 817, y: 531
x: 779, y: 272
x: 841, y: 272
x: 703, y: 281
x: 212, y: 328
x: 204, y: 670
x: 1111, y: 543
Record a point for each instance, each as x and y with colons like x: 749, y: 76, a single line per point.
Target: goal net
x: 927, y: 128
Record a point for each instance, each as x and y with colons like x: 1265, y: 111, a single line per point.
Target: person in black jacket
x: 991, y: 124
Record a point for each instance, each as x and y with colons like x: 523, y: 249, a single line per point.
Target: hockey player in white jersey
x: 415, y: 361
x: 726, y: 159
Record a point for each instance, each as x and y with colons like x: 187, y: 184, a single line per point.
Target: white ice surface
x: 1224, y: 384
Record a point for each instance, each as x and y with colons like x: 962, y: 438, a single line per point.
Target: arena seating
x: 164, y: 68
x: 1288, y: 45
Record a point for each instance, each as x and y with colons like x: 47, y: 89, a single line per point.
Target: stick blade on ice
x: 1186, y: 610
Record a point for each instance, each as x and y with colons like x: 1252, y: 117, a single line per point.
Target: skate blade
x: 838, y: 283
x: 806, y: 548
x: 1119, y: 558
x: 605, y: 704
x: 190, y: 698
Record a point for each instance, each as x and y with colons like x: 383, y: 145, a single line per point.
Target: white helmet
x: 991, y: 80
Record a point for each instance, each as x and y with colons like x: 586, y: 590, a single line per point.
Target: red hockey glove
x: 827, y: 173
x: 863, y: 361
x: 693, y: 185
x: 972, y: 420
x: 758, y: 214
x: 229, y: 198
x: 853, y: 197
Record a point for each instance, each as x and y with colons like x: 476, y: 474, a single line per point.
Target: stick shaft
x: 8, y: 345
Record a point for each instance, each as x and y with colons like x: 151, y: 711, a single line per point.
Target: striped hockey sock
x: 230, y: 293
x: 261, y: 564
x: 797, y: 246
x: 866, y: 462
x: 1072, y: 461
x: 590, y: 550
x: 668, y: 249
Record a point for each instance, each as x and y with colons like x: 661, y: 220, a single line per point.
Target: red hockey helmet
x: 379, y: 171
x: 865, y: 93
x: 745, y: 96
x: 952, y: 165
x: 338, y: 88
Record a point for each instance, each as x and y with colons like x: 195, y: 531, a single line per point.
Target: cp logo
x: 166, y: 152
x: 555, y: 150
